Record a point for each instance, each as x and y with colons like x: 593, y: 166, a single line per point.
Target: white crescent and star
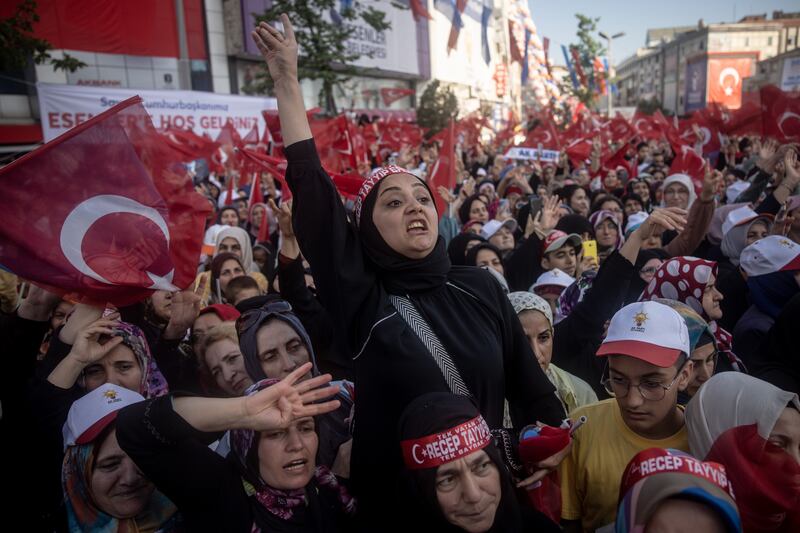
x: 414, y: 454
x: 786, y: 116
x: 86, y: 213
x: 725, y: 73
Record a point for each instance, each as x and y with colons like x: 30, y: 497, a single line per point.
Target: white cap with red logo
x: 770, y: 254
x: 650, y: 331
x: 92, y: 413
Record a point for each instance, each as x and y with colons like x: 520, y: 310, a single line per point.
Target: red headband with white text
x: 441, y: 448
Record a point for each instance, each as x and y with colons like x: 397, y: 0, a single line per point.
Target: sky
x: 556, y: 19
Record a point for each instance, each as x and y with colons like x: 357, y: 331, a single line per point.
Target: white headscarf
x: 729, y: 400
x: 244, y: 242
x: 526, y: 301
x: 684, y: 180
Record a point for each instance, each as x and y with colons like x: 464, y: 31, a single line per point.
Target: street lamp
x: 610, y: 67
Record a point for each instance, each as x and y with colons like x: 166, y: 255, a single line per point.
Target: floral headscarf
x: 277, y: 502
x: 598, y: 217
x: 83, y: 515
x: 574, y: 294
x: 153, y: 383
x: 684, y: 279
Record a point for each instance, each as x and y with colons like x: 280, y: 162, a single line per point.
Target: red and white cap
x: 92, y: 413
x: 557, y: 239
x: 493, y: 226
x: 552, y: 278
x: 739, y: 216
x: 770, y: 254
x: 650, y: 331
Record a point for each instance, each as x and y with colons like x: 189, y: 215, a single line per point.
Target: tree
x: 588, y: 48
x: 437, y: 105
x: 18, y: 44
x: 322, y: 41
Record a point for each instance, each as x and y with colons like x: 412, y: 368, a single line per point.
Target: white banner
x: 520, y: 152
x: 64, y: 106
x: 790, y: 77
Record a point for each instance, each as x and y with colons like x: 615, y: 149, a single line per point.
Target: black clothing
x: 457, y: 249
x: 466, y: 309
x: 207, y: 488
x: 578, y: 336
x: 779, y: 363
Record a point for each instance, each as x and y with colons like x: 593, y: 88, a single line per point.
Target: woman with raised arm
x: 413, y: 324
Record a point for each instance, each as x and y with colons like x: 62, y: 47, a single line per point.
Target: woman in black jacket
x: 380, y: 274
x: 270, y: 480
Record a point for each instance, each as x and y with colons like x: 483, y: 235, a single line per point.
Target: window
x: 747, y: 41
x: 769, y: 41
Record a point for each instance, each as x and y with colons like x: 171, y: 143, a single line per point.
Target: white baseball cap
x: 650, y: 331
x: 634, y: 221
x: 553, y: 278
x: 493, y: 226
x: 770, y: 254
x: 737, y: 217
x: 92, y: 413
x: 735, y: 189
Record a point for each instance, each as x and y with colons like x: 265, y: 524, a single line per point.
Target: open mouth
x: 296, y: 465
x: 417, y: 226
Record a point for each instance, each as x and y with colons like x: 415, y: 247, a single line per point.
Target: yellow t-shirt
x: 591, y: 473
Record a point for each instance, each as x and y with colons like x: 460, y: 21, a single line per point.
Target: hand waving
x: 668, y: 218
x: 279, y: 49
x: 276, y: 406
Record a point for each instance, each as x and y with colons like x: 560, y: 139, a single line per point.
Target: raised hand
x: 668, y: 218
x: 284, y: 216
x: 549, y: 217
x: 184, y: 310
x: 712, y: 183
x: 38, y: 304
x: 446, y: 195
x: 278, y: 405
x: 87, y: 348
x: 279, y: 50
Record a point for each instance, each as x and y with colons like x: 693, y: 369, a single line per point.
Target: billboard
x: 790, y: 77
x: 725, y: 75
x: 695, y: 91
x: 64, y: 106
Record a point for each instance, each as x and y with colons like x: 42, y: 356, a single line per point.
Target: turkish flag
x: 418, y: 10
x: 252, y: 135
x: 443, y: 173
x: 188, y: 144
x: 544, y: 133
x: 228, y: 135
x: 390, y: 95
x: 745, y: 120
x: 725, y: 77
x: 395, y: 135
x: 275, y: 166
x: 688, y: 162
x: 620, y: 129
x: 781, y: 114
x: 104, y: 213
x: 646, y: 127
x: 708, y: 130
x: 579, y: 150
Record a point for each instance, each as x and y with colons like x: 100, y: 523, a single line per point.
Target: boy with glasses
x: 647, y: 347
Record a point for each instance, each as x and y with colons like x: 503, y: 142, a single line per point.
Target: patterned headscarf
x: 525, y: 301
x: 153, y: 383
x: 598, y: 217
x: 278, y: 502
x: 574, y: 294
x: 370, y: 184
x: 684, y: 279
x: 83, y: 515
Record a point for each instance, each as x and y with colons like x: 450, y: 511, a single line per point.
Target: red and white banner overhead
x: 65, y: 106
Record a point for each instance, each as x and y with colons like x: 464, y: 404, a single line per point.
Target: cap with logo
x: 493, y: 226
x: 770, y: 254
x: 92, y: 413
x: 557, y: 239
x: 740, y: 216
x: 555, y: 280
x: 649, y: 331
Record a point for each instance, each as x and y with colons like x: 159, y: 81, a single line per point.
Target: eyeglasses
x: 652, y: 391
x: 250, y: 318
x: 649, y: 271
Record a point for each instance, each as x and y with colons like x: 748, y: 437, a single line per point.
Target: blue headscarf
x: 770, y: 292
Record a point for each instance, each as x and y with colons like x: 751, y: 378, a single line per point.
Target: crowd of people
x: 565, y: 347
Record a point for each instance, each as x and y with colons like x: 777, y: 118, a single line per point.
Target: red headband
x: 658, y: 461
x: 370, y: 183
x: 447, y: 446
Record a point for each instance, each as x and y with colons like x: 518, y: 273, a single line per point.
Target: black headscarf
x: 779, y: 363
x: 578, y: 224
x: 433, y: 413
x: 637, y: 284
x: 398, y: 273
x: 472, y: 255
x: 457, y: 249
x: 228, y: 208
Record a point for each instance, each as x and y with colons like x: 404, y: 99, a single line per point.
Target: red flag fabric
x: 645, y: 126
x: 256, y: 194
x: 443, y: 173
x: 620, y: 130
x: 390, y: 95
x: 272, y: 165
x: 188, y: 144
x: 576, y: 62
x: 419, y: 11
x: 688, y: 162
x: 229, y: 191
x: 546, y: 134
x: 745, y: 120
x: 708, y: 130
x: 104, y: 213
x: 228, y: 135
x: 781, y: 113
x: 579, y: 150
x: 252, y: 136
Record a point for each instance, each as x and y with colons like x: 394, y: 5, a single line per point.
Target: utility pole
x: 184, y: 67
x: 609, y: 96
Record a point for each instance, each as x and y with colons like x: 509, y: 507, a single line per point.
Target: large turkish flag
x: 725, y: 76
x: 104, y: 212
